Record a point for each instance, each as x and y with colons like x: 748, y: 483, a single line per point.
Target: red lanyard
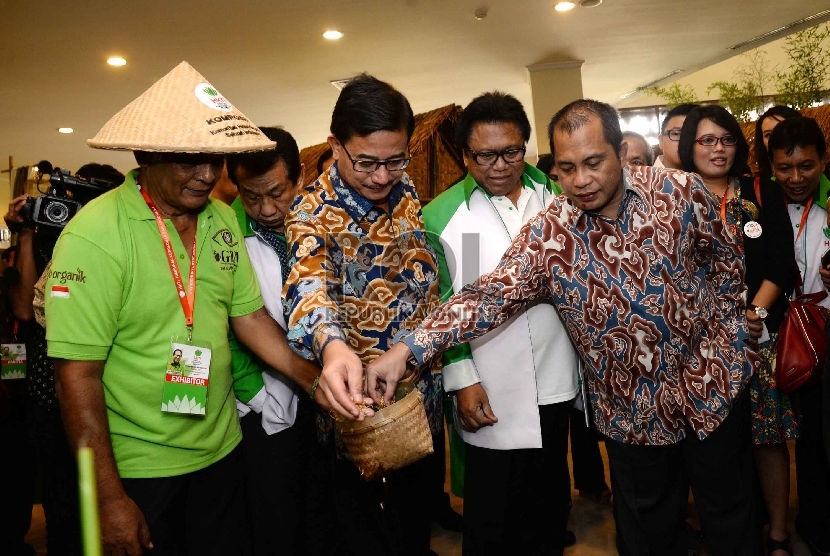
x: 187, y: 299
x: 804, y: 218
x: 723, y: 206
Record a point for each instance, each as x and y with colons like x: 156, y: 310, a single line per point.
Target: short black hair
x: 797, y: 132
x: 545, y: 163
x: 679, y: 110
x: 649, y: 149
x: 258, y: 163
x: 99, y: 172
x: 367, y: 105
x: 779, y: 112
x: 491, y: 108
x: 105, y: 172
x: 720, y: 116
x: 327, y: 154
x: 578, y: 113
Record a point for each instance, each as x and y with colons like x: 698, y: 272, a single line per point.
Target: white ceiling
x: 269, y: 58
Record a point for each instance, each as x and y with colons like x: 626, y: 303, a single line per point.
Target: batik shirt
x: 654, y: 301
x: 360, y: 274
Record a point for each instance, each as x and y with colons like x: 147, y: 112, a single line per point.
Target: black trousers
x: 275, y: 467
x: 439, y: 500
x: 588, y: 470
x: 17, y: 488
x: 346, y: 515
x: 650, y: 498
x: 60, y: 482
x: 199, y: 513
x: 515, y: 501
x: 811, y: 466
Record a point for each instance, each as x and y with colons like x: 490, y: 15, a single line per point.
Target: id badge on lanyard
x: 187, y: 373
x: 13, y: 365
x: 187, y: 377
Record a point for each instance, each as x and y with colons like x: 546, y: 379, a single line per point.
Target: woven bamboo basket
x: 394, y: 437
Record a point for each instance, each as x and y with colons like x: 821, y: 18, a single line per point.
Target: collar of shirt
x: 137, y: 208
x: 628, y: 191
x: 530, y: 177
x: 246, y: 223
x: 820, y: 198
x: 357, y: 205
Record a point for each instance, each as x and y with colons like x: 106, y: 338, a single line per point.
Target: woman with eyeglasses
x: 712, y: 145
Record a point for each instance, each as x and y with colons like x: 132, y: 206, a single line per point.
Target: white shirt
x: 810, y: 245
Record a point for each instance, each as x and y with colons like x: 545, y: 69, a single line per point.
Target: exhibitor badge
x: 13, y: 361
x: 186, y: 378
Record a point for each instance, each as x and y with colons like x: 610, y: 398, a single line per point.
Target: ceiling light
x: 116, y: 61
x: 480, y: 14
x: 650, y: 84
x: 65, y: 130
x: 590, y: 3
x: 780, y: 30
x: 564, y: 6
x: 333, y: 35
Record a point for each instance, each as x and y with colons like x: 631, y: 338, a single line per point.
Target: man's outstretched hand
x: 342, y: 381
x: 385, y: 372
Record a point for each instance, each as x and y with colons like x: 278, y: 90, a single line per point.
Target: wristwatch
x: 760, y: 311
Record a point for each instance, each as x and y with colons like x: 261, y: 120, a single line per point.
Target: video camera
x: 56, y: 208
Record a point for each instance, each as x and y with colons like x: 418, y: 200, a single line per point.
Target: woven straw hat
x: 184, y: 113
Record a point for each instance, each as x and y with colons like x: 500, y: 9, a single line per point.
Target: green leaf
x: 211, y: 91
x: 198, y: 352
x: 827, y: 233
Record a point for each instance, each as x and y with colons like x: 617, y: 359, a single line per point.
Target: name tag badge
x: 186, y: 377
x: 753, y: 229
x: 13, y: 366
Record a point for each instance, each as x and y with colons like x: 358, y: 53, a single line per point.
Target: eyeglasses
x: 711, y: 140
x: 489, y: 158
x: 672, y: 134
x: 369, y: 166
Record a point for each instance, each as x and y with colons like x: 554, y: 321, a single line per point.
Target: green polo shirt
x: 111, y: 297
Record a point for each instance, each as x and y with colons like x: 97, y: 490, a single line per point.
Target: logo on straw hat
x: 209, y: 96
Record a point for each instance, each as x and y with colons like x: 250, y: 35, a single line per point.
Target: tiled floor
x: 592, y: 523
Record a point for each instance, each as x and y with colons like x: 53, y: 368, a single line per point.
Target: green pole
x: 90, y: 527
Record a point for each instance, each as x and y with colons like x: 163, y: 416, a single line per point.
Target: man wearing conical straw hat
x: 165, y: 271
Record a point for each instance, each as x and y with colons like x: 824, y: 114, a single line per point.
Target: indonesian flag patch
x: 60, y: 291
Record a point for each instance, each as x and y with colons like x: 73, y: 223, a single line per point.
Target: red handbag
x: 802, y: 344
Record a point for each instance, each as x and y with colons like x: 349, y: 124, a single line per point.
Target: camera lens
x: 56, y: 212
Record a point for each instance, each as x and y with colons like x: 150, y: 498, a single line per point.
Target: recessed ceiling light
x: 564, y: 6
x: 65, y: 130
x: 590, y: 3
x: 333, y: 35
x: 116, y: 61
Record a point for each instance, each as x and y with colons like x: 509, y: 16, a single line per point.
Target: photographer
x: 60, y: 499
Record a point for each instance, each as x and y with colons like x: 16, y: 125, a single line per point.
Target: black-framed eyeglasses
x: 369, y: 166
x: 489, y: 158
x: 712, y: 140
x: 673, y: 134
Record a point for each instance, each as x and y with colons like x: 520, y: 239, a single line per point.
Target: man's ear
x: 301, y: 178
x: 335, y: 147
x: 623, y: 153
